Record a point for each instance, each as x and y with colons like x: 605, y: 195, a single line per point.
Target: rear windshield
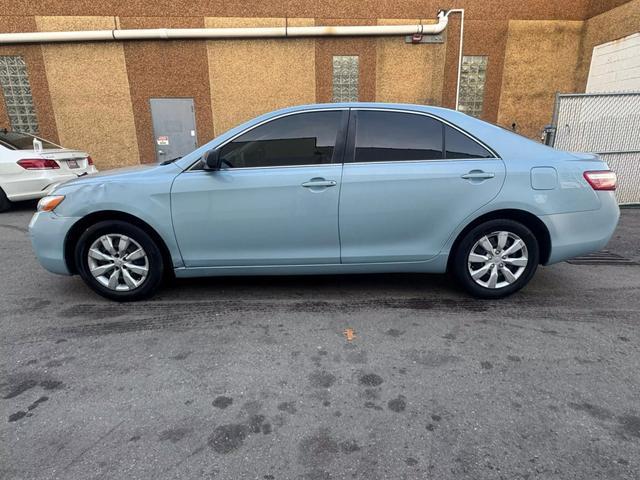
x: 22, y: 141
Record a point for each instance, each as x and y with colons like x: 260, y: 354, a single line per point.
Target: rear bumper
x: 37, y: 184
x: 580, y: 233
x: 48, y: 232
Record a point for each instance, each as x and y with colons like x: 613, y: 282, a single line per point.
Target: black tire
x: 5, y: 203
x: 154, y: 260
x: 460, y: 259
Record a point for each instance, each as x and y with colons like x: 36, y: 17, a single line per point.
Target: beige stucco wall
x: 408, y: 73
x: 251, y: 77
x: 540, y: 59
x: 90, y: 93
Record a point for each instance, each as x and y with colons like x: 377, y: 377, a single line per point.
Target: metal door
x: 174, y: 127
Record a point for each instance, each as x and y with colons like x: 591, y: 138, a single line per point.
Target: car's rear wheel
x: 496, y: 258
x: 120, y: 261
x: 5, y: 203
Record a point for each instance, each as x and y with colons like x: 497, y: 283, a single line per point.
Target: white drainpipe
x: 461, y: 12
x: 223, y: 33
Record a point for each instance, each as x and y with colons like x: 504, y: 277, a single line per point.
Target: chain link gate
x: 607, y: 124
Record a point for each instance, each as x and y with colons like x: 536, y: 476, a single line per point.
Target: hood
x: 125, y: 175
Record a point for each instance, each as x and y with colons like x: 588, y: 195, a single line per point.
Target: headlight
x: 47, y: 204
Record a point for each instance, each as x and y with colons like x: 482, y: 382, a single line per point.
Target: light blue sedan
x: 335, y: 188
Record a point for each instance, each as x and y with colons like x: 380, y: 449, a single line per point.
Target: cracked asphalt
x: 235, y: 378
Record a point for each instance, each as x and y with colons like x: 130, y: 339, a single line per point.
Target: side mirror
x: 212, y: 160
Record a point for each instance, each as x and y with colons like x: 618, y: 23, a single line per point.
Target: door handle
x: 478, y: 175
x: 319, y: 182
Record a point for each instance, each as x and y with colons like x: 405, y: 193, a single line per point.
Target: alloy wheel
x: 118, y: 262
x: 498, y: 259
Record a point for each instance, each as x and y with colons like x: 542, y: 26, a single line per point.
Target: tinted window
x: 300, y: 139
x: 22, y: 141
x: 392, y: 137
x: 458, y: 145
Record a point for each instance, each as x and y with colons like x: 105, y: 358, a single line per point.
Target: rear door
x: 275, y: 201
x: 409, y: 182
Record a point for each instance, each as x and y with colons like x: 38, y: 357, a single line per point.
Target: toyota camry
x: 331, y: 189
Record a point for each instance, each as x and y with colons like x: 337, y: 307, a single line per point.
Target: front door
x: 275, y: 200
x: 174, y: 127
x: 410, y: 182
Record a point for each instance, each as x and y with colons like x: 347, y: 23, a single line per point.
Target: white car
x: 31, y: 167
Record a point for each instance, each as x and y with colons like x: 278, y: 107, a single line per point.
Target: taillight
x: 89, y: 161
x: 37, y: 164
x: 601, y: 179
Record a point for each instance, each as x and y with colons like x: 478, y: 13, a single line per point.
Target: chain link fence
x: 607, y: 124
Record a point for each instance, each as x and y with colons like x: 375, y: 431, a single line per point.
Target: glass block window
x: 472, y: 79
x: 345, y: 78
x: 17, y: 94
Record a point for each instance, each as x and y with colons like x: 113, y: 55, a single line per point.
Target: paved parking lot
x: 255, y: 378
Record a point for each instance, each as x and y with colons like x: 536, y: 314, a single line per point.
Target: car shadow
x: 24, y: 206
x: 273, y: 287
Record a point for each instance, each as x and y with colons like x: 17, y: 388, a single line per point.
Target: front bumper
x: 580, y: 233
x: 48, y: 232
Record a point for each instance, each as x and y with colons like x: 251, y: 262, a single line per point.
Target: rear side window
x: 300, y: 139
x: 395, y: 137
x: 22, y: 141
x: 458, y: 145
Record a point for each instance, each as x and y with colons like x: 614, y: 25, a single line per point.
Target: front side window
x: 299, y: 139
x: 394, y: 137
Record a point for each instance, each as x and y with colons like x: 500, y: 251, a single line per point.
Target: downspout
x: 461, y: 12
x: 225, y: 33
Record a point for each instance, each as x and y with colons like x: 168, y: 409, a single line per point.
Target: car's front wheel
x: 496, y: 258
x: 120, y: 261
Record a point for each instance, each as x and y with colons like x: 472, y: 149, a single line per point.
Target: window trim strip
x: 287, y: 114
x: 435, y: 117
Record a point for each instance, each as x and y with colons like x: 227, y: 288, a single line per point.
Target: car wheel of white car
x: 496, y: 258
x: 5, y: 204
x: 119, y: 260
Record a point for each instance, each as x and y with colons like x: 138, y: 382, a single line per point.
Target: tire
x: 491, y: 279
x: 137, y: 277
x: 5, y: 203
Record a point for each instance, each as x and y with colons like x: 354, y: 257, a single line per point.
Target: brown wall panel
x: 159, y: 69
x: 326, y: 48
x: 408, y: 73
x: 488, y: 38
x: 37, y: 76
x: 541, y: 59
x: 596, y: 7
x: 364, y: 9
x: 90, y: 93
x: 612, y: 25
x: 4, y: 118
x: 251, y: 77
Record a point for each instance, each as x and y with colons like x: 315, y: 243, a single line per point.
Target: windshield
x: 23, y: 141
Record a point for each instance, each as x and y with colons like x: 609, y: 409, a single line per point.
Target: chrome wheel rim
x: 498, y: 260
x: 118, y: 262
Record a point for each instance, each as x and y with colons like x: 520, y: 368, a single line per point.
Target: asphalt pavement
x: 328, y: 377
